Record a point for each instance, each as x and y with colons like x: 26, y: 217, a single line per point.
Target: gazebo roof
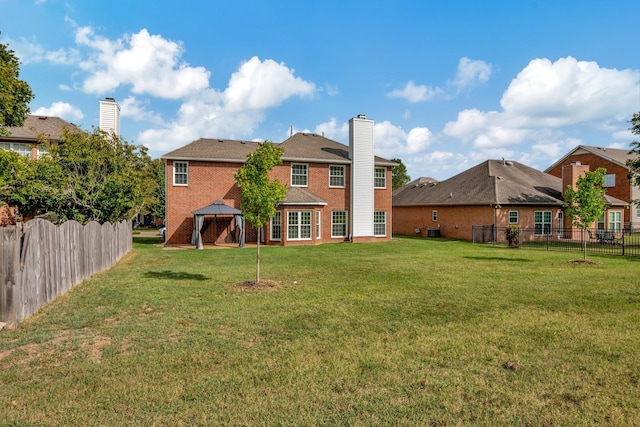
x: 217, y: 208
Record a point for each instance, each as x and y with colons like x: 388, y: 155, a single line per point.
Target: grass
x: 410, y: 332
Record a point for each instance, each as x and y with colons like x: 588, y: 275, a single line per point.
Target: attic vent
x: 576, y: 163
x: 508, y: 163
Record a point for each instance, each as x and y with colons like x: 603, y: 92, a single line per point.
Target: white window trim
x: 306, y: 165
x: 376, y: 177
x: 517, y: 217
x: 609, y: 180
x: 346, y: 224
x: 318, y: 225
x: 343, y: 176
x: 379, y: 223
x: 543, y: 223
x: 619, y: 223
x: 434, y: 215
x: 174, y: 174
x: 278, y: 213
x: 299, y: 225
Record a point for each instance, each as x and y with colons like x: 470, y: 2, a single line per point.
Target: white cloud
x: 547, y: 97
x: 64, y: 87
x: 258, y: 85
x: 137, y: 110
x: 60, y: 109
x: 415, y: 93
x: 149, y: 63
x: 29, y: 52
x: 333, y: 130
x: 418, y: 139
x: 471, y: 71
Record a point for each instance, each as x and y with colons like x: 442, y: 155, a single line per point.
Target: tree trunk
x: 258, y: 257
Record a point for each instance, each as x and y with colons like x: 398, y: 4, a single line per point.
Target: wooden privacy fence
x: 43, y: 261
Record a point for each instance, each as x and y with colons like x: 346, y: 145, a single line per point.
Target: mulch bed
x: 263, y: 285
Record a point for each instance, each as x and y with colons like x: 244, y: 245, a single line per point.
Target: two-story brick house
x: 335, y: 193
x: 617, y: 182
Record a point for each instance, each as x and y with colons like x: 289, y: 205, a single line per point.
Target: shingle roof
x: 419, y: 182
x: 615, y: 155
x: 34, y: 126
x: 490, y: 182
x: 299, y: 147
x: 228, y: 150
x: 299, y: 196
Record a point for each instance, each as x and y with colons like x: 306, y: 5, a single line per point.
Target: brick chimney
x: 571, y: 173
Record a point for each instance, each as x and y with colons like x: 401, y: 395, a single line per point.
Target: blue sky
x: 449, y: 84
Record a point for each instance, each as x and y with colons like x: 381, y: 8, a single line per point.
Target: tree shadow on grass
x: 147, y: 240
x: 175, y: 275
x: 497, y: 258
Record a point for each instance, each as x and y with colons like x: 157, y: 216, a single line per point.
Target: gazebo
x: 217, y: 208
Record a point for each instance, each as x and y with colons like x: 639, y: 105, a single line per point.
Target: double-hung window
x: 18, y: 147
x: 380, y: 223
x: 336, y: 176
x: 609, y: 180
x: 181, y: 173
x: 318, y: 225
x: 513, y: 217
x: 434, y: 215
x: 542, y: 223
x: 299, y: 174
x: 380, y: 178
x: 299, y: 225
x: 615, y: 221
x: 276, y: 226
x: 339, y: 224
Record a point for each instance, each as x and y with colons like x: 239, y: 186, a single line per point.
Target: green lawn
x: 409, y: 332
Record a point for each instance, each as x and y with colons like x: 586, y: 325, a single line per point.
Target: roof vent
x: 220, y: 140
x: 508, y: 163
x: 42, y: 117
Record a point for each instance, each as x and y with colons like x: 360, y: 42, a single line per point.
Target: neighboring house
x: 335, y: 193
x: 617, y: 182
x: 496, y: 193
x: 27, y: 139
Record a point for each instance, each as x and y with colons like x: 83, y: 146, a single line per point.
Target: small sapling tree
x: 259, y: 195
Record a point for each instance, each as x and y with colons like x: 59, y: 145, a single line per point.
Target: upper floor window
x: 380, y: 178
x: 299, y: 174
x: 434, y: 215
x: 513, y: 217
x: 609, y: 180
x: 181, y: 173
x: 336, y: 176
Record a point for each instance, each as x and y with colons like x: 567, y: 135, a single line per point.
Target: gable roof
x: 301, y: 147
x: 35, y: 126
x: 488, y: 183
x: 615, y: 155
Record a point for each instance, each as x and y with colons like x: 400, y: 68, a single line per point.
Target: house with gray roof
x: 335, y: 192
x: 27, y: 139
x: 617, y: 181
x: 494, y: 193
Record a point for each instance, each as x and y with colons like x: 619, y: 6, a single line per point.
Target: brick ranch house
x: 617, y: 182
x: 496, y: 193
x: 335, y: 193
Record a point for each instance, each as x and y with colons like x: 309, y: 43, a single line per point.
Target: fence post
x: 9, y: 275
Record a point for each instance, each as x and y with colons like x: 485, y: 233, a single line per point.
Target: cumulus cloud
x: 546, y: 97
x: 138, y: 110
x: 60, y: 109
x: 333, y: 130
x: 262, y: 84
x: 415, y: 93
x: 470, y: 72
x: 149, y: 63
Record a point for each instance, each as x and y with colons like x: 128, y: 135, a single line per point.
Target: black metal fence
x: 622, y: 242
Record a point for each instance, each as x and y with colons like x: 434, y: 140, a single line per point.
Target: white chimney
x: 110, y: 116
x: 362, y: 174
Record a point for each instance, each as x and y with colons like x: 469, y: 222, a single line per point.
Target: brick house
x: 27, y: 139
x: 617, y: 182
x: 335, y: 193
x: 495, y: 193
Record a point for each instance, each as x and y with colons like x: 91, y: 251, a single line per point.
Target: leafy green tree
x: 15, y: 94
x: 586, y: 204
x: 634, y: 164
x: 259, y: 195
x: 399, y: 176
x: 156, y: 207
